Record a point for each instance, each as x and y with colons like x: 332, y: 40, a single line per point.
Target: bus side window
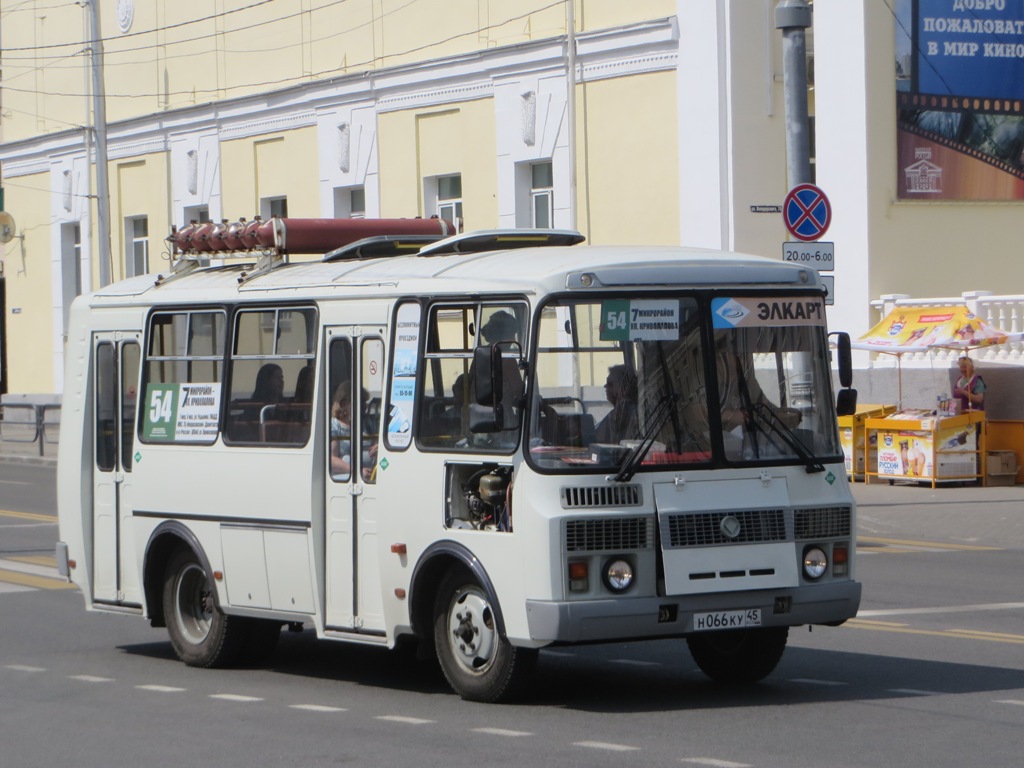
x: 339, y: 409
x: 106, y: 407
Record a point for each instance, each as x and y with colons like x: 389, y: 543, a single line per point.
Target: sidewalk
x: 28, y: 453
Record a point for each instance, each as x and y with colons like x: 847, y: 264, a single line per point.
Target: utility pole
x: 793, y: 17
x: 570, y: 107
x: 99, y: 110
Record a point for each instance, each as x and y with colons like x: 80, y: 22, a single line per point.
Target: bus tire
x: 479, y: 664
x: 740, y: 655
x: 202, y: 636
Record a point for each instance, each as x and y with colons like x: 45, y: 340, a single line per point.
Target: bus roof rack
x: 501, y: 239
x: 381, y: 245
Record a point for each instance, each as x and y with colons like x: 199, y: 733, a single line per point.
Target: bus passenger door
x: 115, y: 377
x: 355, y: 375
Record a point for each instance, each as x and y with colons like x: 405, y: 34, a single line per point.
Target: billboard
x: 960, y: 99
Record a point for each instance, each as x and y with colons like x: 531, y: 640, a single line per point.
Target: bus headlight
x: 618, y: 575
x: 815, y: 563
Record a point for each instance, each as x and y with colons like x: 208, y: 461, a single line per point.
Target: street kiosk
x: 928, y: 446
x: 859, y: 453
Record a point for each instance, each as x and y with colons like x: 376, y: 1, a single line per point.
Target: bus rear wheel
x: 202, y: 636
x: 739, y: 656
x: 479, y: 664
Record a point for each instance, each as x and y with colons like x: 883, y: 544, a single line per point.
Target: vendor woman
x: 970, y: 387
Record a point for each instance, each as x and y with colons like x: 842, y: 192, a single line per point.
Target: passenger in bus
x: 620, y: 388
x: 503, y: 326
x: 304, y: 386
x: 341, y: 437
x: 269, y: 387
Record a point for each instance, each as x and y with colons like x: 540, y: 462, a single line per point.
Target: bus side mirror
x: 846, y: 398
x: 845, y: 359
x: 846, y: 402
x: 485, y: 414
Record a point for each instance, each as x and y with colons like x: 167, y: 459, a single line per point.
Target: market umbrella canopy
x: 918, y: 329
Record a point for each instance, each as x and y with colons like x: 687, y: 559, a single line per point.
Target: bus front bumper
x: 652, y: 617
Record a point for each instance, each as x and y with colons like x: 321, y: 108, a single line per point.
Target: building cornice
x: 634, y: 49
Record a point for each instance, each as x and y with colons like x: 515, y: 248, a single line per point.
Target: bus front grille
x: 613, y: 534
x: 705, y: 529
x: 822, y: 522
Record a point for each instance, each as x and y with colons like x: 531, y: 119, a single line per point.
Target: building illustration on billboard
x: 923, y: 176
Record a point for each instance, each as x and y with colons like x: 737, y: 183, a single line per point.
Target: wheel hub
x: 471, y: 625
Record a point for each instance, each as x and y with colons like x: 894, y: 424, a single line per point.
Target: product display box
x: 1001, y: 467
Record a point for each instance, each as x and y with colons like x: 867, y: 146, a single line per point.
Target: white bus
x: 488, y: 447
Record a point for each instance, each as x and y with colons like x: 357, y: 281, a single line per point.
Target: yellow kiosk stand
x: 859, y: 453
x: 919, y: 445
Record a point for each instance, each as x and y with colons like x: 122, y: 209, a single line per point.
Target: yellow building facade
x: 398, y: 108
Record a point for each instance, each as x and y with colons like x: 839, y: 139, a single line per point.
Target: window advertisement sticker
x: 182, y: 413
x: 640, y: 320
x: 753, y: 312
x: 403, y: 375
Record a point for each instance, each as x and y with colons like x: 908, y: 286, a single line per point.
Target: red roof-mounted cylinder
x: 300, y: 235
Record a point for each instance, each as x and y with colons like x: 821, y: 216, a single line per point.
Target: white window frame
x: 136, y: 246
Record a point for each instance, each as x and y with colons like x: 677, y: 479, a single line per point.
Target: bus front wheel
x: 201, y: 634
x: 738, y: 656
x: 479, y: 664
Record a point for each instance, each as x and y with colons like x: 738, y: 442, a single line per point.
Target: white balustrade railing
x: 1004, y: 312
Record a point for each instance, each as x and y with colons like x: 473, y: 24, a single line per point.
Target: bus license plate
x: 705, y: 622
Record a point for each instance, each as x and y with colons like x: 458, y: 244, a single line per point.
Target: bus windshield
x: 636, y: 382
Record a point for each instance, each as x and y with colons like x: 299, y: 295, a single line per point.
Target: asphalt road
x: 931, y: 673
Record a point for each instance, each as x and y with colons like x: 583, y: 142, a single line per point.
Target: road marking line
x: 914, y: 692
x: 927, y: 544
x: 234, y: 697
x: 812, y: 681
x: 24, y: 668
x: 160, y: 688
x: 91, y: 678
x: 636, y: 663
x: 29, y: 516
x: 606, y: 746
x: 879, y: 623
x: 1015, y: 702
x: 978, y: 634
x: 945, y: 609
x: 48, y: 561
x: 947, y: 633
x: 403, y: 719
x: 317, y: 708
x: 24, y: 565
x: 39, y: 582
x: 501, y: 732
x: 713, y: 762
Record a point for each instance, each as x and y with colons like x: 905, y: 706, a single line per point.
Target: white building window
x: 350, y: 203
x: 542, y: 196
x: 136, y: 229
x: 274, y: 206
x: 70, y: 267
x: 198, y: 213
x: 535, y: 196
x: 449, y: 198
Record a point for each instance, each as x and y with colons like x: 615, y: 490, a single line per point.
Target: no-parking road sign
x: 807, y: 212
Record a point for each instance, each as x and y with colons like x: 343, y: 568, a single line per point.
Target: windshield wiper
x: 665, y: 408
x: 773, y: 422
